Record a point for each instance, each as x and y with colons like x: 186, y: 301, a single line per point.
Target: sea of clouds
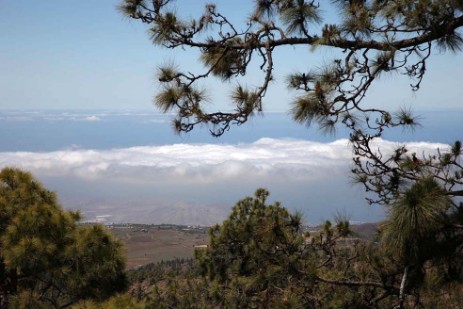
x: 192, y: 163
x: 283, y: 159
x: 313, y: 177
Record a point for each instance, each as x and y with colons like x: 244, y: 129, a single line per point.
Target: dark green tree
x: 256, y: 254
x: 46, y: 259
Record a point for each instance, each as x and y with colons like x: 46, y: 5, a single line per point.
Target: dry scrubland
x: 146, y: 244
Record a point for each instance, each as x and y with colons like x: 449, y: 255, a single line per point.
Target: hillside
x: 146, y: 244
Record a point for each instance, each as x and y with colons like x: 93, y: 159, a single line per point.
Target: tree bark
x: 402, y: 289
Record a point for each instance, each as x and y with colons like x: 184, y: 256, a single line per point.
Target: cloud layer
x: 283, y: 159
x: 198, y: 183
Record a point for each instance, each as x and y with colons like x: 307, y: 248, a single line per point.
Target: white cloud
x: 309, y: 176
x: 278, y: 159
x: 92, y: 118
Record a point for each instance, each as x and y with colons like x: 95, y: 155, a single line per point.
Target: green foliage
x: 123, y: 301
x: 415, y: 219
x: 46, y: 258
x: 245, y: 99
x: 97, y: 264
x: 255, y: 239
x: 261, y: 257
x: 298, y: 16
x: 223, y: 61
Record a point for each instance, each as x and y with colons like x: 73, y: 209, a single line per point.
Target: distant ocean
x: 130, y: 165
x: 57, y: 130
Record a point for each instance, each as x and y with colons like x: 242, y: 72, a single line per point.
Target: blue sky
x: 85, y: 55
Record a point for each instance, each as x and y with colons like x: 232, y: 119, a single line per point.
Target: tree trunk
x: 402, y: 289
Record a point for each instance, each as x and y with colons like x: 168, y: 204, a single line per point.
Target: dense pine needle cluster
x: 47, y: 260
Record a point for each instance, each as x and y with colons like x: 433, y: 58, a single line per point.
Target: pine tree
x: 46, y: 258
